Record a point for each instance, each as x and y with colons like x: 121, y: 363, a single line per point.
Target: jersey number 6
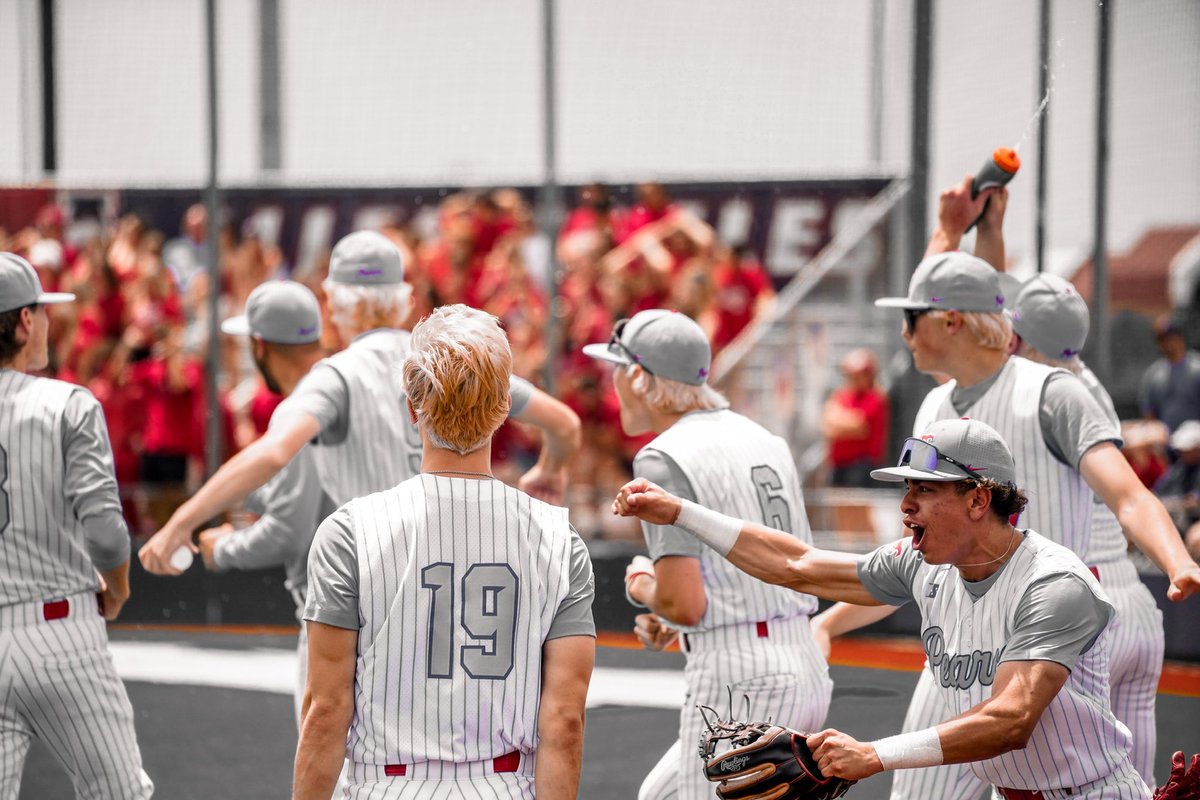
x: 488, y: 616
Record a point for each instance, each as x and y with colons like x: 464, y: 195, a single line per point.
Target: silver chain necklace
x: 1013, y: 539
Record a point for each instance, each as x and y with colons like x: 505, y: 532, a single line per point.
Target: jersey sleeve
x: 333, y: 574
x: 666, y: 540
x: 1072, y: 420
x: 90, y: 481
x: 521, y: 391
x: 889, y: 572
x: 574, y: 617
x: 1058, y: 619
x: 324, y: 396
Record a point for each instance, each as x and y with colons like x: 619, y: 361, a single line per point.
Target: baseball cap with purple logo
x: 1051, y: 316
x: 282, y: 312
x: 366, y: 258
x: 666, y: 344
x: 953, y: 450
x: 20, y: 285
x: 954, y: 281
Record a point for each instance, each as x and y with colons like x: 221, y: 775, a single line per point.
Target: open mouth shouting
x: 918, y: 533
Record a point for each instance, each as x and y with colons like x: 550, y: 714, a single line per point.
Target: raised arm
x: 239, y: 476
x: 771, y: 556
x: 1142, y: 516
x: 561, y: 437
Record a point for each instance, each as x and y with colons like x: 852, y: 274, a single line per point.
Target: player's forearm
x: 559, y: 757
x: 266, y: 543
x: 942, y: 241
x: 321, y: 751
x: 1148, y: 525
x: 239, y: 476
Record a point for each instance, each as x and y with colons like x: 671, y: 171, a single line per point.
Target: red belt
x: 505, y: 763
x: 1096, y: 572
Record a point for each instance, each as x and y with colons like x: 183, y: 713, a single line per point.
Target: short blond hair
x: 366, y: 308
x: 674, y: 397
x: 457, y: 377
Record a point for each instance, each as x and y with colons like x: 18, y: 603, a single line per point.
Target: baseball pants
x: 1127, y: 785
x: 58, y: 683
x: 781, y: 676
x: 1135, y: 659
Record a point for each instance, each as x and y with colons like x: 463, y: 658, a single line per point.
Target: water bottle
x: 996, y: 171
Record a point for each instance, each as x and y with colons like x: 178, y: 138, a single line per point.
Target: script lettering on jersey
x: 958, y: 670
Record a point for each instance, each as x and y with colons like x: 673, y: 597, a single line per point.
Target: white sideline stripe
x: 270, y: 670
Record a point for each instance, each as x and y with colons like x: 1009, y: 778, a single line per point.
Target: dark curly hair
x: 1007, y: 499
x: 9, y: 346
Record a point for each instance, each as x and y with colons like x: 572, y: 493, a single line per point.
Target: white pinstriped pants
x: 784, y: 677
x: 58, y: 683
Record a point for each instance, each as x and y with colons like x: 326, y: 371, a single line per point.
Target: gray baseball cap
x: 366, y: 258
x: 20, y: 285
x: 666, y: 344
x: 953, y: 450
x: 951, y: 281
x: 283, y: 312
x: 1051, y: 316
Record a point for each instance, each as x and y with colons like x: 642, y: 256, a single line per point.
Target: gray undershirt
x: 1058, y: 618
x: 1071, y: 419
x: 90, y: 481
x: 333, y: 582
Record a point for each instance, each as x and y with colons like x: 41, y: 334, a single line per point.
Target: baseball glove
x: 1182, y: 784
x: 766, y: 762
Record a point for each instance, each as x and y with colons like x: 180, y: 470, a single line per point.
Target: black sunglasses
x: 911, y: 315
x: 616, y: 345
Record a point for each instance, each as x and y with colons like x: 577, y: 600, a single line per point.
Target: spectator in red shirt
x: 855, y: 422
x: 171, y: 386
x: 743, y: 293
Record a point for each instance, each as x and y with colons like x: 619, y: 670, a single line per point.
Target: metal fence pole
x: 922, y: 58
x: 212, y: 200
x: 550, y: 194
x: 1043, y: 126
x: 1100, y: 313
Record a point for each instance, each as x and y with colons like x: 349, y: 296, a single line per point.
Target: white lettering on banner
x: 794, y: 234
x: 734, y: 220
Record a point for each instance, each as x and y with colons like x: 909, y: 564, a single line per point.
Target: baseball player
x: 1013, y: 625
x: 283, y: 321
x: 450, y: 626
x: 64, y: 564
x: 736, y: 631
x: 351, y: 404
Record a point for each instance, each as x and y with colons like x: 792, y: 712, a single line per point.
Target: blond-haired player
x: 449, y: 618
x: 352, y: 406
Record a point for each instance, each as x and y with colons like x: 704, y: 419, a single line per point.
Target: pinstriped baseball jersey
x: 382, y: 446
x: 735, y: 465
x: 1077, y: 740
x: 1060, y: 501
x: 1108, y: 543
x: 43, y: 548
x: 459, y: 583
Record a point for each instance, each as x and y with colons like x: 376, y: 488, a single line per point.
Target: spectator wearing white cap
x: 735, y: 630
x: 352, y: 405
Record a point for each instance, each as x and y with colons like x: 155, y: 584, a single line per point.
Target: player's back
x: 382, y: 445
x: 738, y: 467
x: 459, y: 583
x: 43, y: 551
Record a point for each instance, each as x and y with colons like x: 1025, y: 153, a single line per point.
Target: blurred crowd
x: 137, y: 336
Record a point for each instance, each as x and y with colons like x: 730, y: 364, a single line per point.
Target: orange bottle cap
x: 1007, y: 159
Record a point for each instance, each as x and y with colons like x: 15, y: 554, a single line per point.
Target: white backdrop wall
x: 431, y: 92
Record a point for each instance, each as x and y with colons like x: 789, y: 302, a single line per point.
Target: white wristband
x: 715, y: 529
x: 921, y: 748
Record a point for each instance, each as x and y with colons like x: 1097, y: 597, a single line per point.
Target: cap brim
x: 897, y: 474
x: 51, y: 298
x: 236, y: 326
x: 900, y: 302
x: 600, y: 352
